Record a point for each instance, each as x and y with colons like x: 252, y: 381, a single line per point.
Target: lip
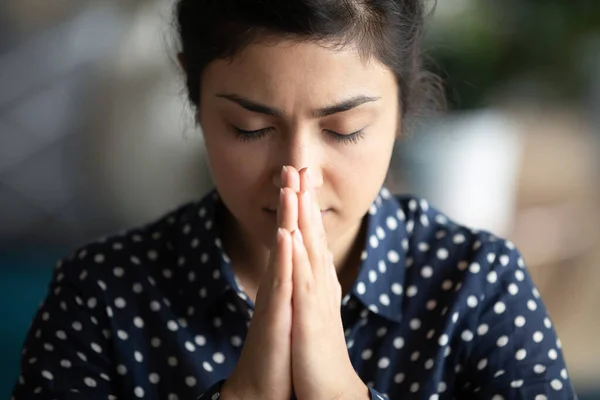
x: 274, y: 212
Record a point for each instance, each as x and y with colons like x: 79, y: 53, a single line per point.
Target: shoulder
x: 461, y: 254
x: 133, y: 254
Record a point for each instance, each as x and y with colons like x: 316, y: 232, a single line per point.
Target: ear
x: 182, y: 62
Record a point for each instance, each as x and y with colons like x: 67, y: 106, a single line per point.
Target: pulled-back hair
x: 389, y: 30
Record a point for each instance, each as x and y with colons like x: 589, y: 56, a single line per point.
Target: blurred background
x: 96, y: 136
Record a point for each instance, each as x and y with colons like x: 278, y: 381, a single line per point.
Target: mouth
x: 273, y: 212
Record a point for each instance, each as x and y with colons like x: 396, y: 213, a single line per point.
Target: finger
x: 282, y: 267
x: 287, y: 212
x: 275, y: 289
x: 302, y: 276
x: 311, y: 222
x: 292, y: 178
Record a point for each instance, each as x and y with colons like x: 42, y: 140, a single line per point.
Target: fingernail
x: 298, y: 236
x: 284, y: 169
x: 279, y: 233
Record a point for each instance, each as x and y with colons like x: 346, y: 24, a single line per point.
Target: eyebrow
x: 256, y: 107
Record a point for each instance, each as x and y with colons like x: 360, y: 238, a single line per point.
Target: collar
x: 380, y: 281
x: 379, y: 284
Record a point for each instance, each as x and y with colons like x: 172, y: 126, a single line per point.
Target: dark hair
x: 389, y: 30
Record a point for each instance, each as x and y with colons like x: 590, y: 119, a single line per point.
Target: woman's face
x: 303, y: 105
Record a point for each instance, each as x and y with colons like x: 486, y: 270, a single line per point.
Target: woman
x: 299, y: 276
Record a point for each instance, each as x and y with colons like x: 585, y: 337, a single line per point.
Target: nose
x: 299, y: 151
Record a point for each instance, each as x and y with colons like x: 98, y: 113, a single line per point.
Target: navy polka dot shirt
x: 437, y: 311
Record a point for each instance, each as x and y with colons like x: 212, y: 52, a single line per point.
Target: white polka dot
x: 447, y: 284
x: 122, y: 334
x: 547, y: 323
x: 398, y: 343
x: 564, y: 374
x: 520, y: 321
x: 455, y: 317
x: 426, y: 271
x: 519, y: 275
x: 442, y: 254
x: 396, y: 289
x: 219, y: 358
x: 121, y: 370
x: 423, y: 247
x: 491, y: 257
x: 384, y: 299
x: 172, y: 361
x: 138, y: 322
x: 411, y: 291
x: 373, y: 241
x: 384, y: 362
x: 539, y: 368
x: 138, y: 356
x: 361, y: 288
x: 553, y: 354
x: 521, y: 354
x: 556, y: 384
x: 415, y: 356
x: 429, y: 364
x: 462, y: 265
x: 154, y: 378
x: 172, y: 325
x: 516, y: 384
x: 190, y: 381
x: 492, y: 277
x: 513, y: 289
x: 442, y: 387
x: 502, y: 341
x: 424, y: 220
x: 499, y: 307
x: 482, y: 329
x: 393, y: 256
x: 120, y: 302
x: 118, y: 272
x: 414, y: 387
x: 532, y: 305
x: 381, y: 266
x: 48, y: 375
x: 155, y: 342
x: 206, y: 365
x: 431, y: 304
x: 504, y: 259
x: 415, y: 324
x: 467, y: 335
x: 472, y: 301
x: 399, y: 378
x: 99, y: 258
x: 65, y: 363
x: 96, y: 348
x: 541, y: 397
x: 474, y: 268
x: 89, y: 382
x: 391, y: 223
x: 538, y: 337
x: 372, y: 276
x: 443, y: 340
x: 155, y: 306
x: 366, y: 354
x: 190, y: 346
x: 482, y: 364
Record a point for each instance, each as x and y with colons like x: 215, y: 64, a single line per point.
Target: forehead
x: 301, y: 70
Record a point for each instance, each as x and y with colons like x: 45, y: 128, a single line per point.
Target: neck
x: 250, y: 258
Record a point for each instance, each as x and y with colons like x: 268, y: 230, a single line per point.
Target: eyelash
x: 246, y: 136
